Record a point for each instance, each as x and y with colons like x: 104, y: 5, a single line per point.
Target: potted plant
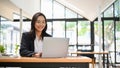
x: 2, y: 49
x: 16, y: 48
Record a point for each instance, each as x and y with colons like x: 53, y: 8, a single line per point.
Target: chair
x: 88, y: 55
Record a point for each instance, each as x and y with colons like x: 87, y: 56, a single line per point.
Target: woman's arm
x: 26, y: 46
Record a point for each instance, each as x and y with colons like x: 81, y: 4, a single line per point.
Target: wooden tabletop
x: 46, y: 60
x: 79, y: 52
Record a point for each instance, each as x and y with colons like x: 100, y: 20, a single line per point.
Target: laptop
x: 55, y: 47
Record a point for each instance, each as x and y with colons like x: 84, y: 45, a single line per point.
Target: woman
x: 31, y: 42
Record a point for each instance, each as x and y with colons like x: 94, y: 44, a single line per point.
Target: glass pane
x: 58, y: 10
x: 71, y: 32
x: 79, y: 16
x: 58, y: 29
x: 46, y: 8
x: 109, y: 44
x: 49, y: 28
x: 109, y: 35
x: 96, y: 34
x: 3, y: 19
x: 84, y: 33
x: 118, y: 41
x: 109, y: 12
x: 70, y: 14
x: 117, y: 8
x: 16, y: 16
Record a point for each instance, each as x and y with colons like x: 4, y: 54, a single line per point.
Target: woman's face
x: 40, y: 24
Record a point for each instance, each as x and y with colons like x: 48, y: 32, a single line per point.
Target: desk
x: 95, y: 53
x: 26, y: 62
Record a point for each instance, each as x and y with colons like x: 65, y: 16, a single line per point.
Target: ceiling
x: 90, y: 9
x: 7, y: 9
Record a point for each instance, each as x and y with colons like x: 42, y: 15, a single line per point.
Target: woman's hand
x: 37, y: 55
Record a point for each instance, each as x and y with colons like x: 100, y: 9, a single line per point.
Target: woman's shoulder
x: 48, y: 35
x: 28, y: 34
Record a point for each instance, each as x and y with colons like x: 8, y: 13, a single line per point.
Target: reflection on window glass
x: 58, y: 29
x: 70, y: 14
x: 71, y: 32
x: 109, y: 35
x: 46, y: 8
x: 58, y: 10
x: 109, y: 12
x: 84, y: 32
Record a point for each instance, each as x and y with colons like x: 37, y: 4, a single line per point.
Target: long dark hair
x: 34, y: 19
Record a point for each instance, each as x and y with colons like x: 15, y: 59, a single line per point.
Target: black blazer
x: 27, y: 44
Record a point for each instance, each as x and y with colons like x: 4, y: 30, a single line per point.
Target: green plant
x: 2, y: 49
x: 16, y: 48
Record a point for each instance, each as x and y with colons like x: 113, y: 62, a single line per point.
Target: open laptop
x: 55, y: 47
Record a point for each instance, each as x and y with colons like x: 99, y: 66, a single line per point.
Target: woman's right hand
x: 37, y: 55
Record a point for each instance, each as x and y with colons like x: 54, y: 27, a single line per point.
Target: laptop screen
x: 55, y: 47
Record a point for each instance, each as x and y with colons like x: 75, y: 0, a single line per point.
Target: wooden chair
x: 89, y: 55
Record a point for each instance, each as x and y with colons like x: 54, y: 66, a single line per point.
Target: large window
x: 111, y: 31
x: 10, y: 36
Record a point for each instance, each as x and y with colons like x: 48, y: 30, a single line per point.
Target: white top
x: 38, y: 45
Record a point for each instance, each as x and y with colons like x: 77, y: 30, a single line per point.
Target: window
x: 71, y: 32
x: 97, y: 37
x: 58, y: 10
x: 84, y: 33
x: 70, y: 14
x: 109, y: 35
x: 109, y: 12
x: 58, y: 29
x: 10, y: 35
x: 117, y: 41
x: 46, y: 8
x: 49, y: 28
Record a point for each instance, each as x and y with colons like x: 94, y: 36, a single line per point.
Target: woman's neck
x: 38, y: 34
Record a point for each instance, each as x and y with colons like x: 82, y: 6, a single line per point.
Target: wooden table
x: 105, y: 53
x: 26, y: 62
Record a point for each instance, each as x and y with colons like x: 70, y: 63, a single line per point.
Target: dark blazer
x: 27, y: 44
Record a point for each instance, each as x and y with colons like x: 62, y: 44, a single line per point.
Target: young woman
x: 32, y: 42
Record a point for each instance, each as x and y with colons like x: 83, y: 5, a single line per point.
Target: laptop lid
x: 55, y: 47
